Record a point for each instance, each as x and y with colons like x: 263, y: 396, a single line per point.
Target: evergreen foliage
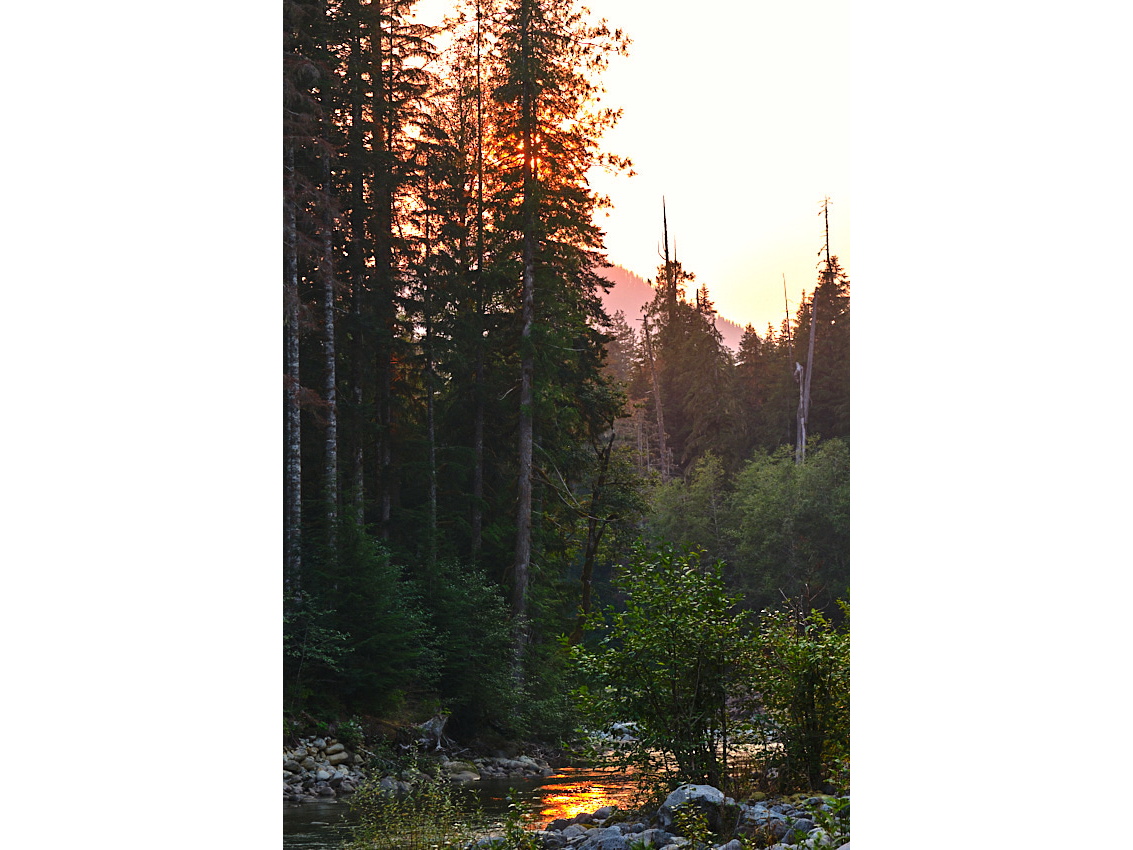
x: 472, y: 444
x: 782, y: 529
x: 470, y: 622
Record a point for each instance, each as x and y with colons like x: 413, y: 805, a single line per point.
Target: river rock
x: 605, y: 839
x: 335, y: 748
x: 654, y: 838
x: 802, y: 825
x: 771, y: 827
x: 604, y: 812
x: 706, y: 798
x: 734, y: 844
x: 816, y: 839
x: 338, y: 758
x: 574, y: 830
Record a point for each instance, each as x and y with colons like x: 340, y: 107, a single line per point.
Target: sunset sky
x: 738, y: 114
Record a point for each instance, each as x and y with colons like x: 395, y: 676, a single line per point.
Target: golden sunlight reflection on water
x: 574, y: 790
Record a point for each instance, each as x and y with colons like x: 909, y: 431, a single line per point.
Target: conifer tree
x: 547, y: 140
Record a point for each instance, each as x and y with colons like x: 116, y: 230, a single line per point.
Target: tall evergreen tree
x: 547, y: 141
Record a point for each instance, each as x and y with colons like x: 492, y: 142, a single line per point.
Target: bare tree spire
x: 670, y: 276
x: 808, y: 373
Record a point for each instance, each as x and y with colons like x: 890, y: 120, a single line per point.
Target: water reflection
x: 568, y: 792
x: 574, y: 790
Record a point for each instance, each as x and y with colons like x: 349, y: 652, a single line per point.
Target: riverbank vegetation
x: 507, y: 512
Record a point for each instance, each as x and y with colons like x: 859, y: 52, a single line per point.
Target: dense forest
x: 474, y: 449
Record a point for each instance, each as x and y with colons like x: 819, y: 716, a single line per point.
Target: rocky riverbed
x: 325, y: 768
x: 776, y: 826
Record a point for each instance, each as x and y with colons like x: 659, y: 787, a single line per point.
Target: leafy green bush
x: 430, y: 817
x: 691, y: 822
x: 350, y: 733
x: 802, y: 673
x: 789, y: 527
x: 311, y: 648
x: 669, y: 662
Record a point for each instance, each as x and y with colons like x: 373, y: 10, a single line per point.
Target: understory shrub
x: 667, y: 663
x: 802, y: 676
x: 430, y: 817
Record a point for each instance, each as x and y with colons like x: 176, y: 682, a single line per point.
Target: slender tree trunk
x: 526, y: 423
x: 358, y: 168
x: 804, y: 386
x: 294, y: 464
x: 478, y: 458
x: 481, y: 284
x: 657, y: 406
x: 595, y: 529
x: 430, y: 425
x: 527, y: 377
x: 330, y: 471
x: 383, y: 239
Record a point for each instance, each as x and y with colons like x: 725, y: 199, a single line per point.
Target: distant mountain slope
x: 630, y: 293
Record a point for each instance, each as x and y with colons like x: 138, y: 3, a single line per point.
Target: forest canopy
x: 473, y: 446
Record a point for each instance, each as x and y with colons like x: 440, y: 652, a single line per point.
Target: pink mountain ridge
x: 630, y: 293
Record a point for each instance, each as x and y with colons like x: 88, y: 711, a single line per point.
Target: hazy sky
x: 738, y: 113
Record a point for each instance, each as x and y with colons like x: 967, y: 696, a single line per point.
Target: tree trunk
x: 330, y: 471
x: 481, y: 284
x: 430, y: 424
x: 595, y: 529
x: 658, y: 408
x: 527, y: 388
x: 294, y: 464
x: 804, y: 387
x: 384, y: 268
x: 526, y: 424
x: 478, y: 459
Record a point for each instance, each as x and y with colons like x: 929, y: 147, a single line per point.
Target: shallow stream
x: 570, y: 791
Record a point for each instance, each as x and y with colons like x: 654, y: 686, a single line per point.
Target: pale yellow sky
x: 738, y: 113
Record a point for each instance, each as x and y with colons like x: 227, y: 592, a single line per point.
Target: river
x: 570, y: 791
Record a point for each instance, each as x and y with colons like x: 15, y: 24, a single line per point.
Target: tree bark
x: 527, y: 376
x: 477, y: 522
x: 595, y: 529
x: 294, y: 463
x: 330, y: 470
x: 804, y: 386
x: 430, y: 423
x: 657, y: 406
